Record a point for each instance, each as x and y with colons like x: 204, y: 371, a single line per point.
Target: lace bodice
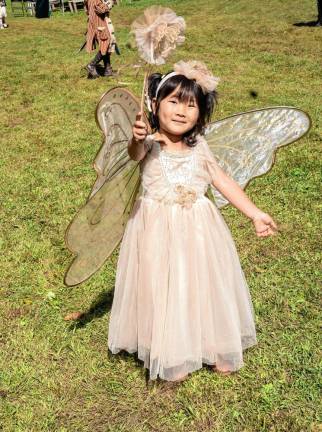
x: 177, y: 177
x: 178, y: 168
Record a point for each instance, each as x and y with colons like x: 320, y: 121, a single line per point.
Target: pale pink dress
x: 181, y: 298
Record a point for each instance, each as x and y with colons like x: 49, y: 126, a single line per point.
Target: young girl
x: 181, y: 298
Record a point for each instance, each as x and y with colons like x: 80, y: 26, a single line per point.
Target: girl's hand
x: 139, y: 129
x: 264, y: 225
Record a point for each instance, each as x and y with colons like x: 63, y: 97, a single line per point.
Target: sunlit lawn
x: 57, y: 375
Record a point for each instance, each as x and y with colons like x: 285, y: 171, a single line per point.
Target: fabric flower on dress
x: 157, y: 33
x: 185, y: 196
x: 198, y: 71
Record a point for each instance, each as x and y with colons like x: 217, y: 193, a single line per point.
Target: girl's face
x: 177, y: 117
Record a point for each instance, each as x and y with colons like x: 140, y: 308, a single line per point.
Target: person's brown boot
x: 108, y: 71
x: 91, y: 67
x: 92, y: 72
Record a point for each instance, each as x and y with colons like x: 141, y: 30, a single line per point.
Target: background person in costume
x: 100, y: 32
x: 3, y: 14
x: 180, y: 297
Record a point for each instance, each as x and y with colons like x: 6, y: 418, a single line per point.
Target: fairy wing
x: 98, y: 226
x: 245, y: 144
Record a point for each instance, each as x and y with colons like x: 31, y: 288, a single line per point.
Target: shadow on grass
x: 308, y: 24
x: 98, y: 308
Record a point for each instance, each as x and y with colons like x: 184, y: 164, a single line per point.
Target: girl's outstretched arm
x: 264, y: 224
x: 136, y: 147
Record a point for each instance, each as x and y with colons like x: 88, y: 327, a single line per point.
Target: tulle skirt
x: 180, y: 298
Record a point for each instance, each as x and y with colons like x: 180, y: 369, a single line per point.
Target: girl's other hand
x: 139, y: 129
x: 264, y: 225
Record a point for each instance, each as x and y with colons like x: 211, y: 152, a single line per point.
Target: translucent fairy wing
x: 97, y: 228
x: 245, y: 143
x: 115, y: 115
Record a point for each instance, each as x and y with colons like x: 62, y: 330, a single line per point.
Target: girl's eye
x: 173, y: 101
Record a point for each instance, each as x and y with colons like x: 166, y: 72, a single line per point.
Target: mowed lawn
x: 57, y: 375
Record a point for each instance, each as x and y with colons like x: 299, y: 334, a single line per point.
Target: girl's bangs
x: 187, y: 90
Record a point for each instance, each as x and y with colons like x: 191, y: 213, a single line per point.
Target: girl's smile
x: 177, y: 117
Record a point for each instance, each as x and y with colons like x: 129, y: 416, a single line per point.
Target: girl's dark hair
x: 188, y: 89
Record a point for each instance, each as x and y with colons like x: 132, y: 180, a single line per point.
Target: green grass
x: 58, y: 376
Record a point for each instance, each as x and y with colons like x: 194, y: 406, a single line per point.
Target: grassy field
x: 57, y: 375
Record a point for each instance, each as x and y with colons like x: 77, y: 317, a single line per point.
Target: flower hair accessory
x: 198, y: 71
x: 193, y: 70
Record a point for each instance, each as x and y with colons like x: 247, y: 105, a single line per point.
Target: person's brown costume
x: 99, y: 31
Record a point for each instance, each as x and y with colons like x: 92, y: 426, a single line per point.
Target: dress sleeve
x: 148, y: 143
x: 210, y: 161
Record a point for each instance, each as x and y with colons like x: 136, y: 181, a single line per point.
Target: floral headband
x: 193, y: 70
